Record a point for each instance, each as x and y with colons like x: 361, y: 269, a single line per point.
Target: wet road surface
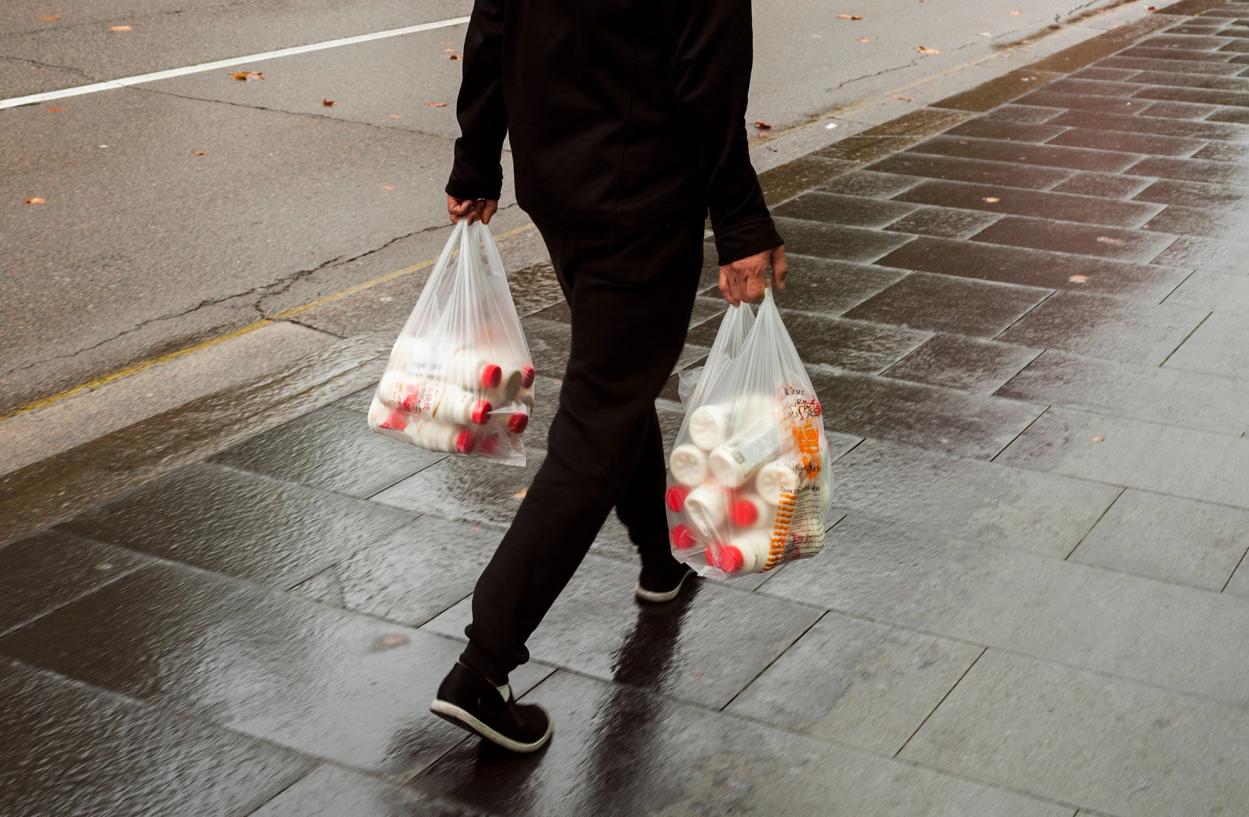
x: 1023, y: 311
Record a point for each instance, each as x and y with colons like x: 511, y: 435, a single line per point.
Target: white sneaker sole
x: 464, y: 719
x: 658, y: 598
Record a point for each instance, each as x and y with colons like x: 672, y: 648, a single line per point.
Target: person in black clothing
x: 627, y: 126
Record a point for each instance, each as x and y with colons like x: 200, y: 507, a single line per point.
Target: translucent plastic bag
x: 460, y: 378
x: 749, y: 485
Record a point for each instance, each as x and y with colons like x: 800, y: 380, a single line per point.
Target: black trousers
x: 631, y: 300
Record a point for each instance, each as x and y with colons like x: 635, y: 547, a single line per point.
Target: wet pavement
x: 1026, y: 314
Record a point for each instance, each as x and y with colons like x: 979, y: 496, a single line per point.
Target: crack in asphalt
x: 134, y: 18
x: 41, y: 64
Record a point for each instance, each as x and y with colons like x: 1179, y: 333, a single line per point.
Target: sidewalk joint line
x: 1097, y: 522
x: 1170, y: 354
x: 947, y: 694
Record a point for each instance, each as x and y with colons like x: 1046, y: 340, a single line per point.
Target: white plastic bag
x: 748, y: 479
x: 460, y: 378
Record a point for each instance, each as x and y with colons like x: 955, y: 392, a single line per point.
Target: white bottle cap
x: 709, y: 426
x: 688, y: 465
x: 707, y: 507
x: 774, y: 479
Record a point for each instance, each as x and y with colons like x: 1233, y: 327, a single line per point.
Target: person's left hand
x: 743, y: 280
x: 471, y: 209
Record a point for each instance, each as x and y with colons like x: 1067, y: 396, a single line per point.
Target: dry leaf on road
x: 329, y: 103
x: 926, y: 51
x: 865, y: 40
x: 761, y: 125
x: 245, y: 76
x: 436, y: 104
x: 1078, y: 279
x: 35, y: 200
x: 199, y: 153
x: 120, y: 28
x: 49, y: 18
x: 849, y: 16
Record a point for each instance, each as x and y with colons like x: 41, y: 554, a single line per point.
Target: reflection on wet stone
x: 331, y: 791
x: 846, y: 210
x: 836, y: 241
x: 948, y: 304
x: 967, y: 364
x: 468, y: 489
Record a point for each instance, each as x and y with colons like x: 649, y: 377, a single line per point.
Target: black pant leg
x: 640, y: 507
x: 631, y: 304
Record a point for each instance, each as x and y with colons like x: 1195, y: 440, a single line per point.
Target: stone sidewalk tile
x: 968, y: 500
x: 1037, y: 203
x: 941, y: 303
x: 332, y: 791
x: 1081, y: 239
x: 1164, y: 537
x: 836, y: 241
x: 332, y: 449
x: 856, y: 682
x: 1129, y: 142
x: 70, y: 749
x: 50, y: 568
x: 1219, y: 346
x: 237, y: 523
x: 921, y: 578
x: 1163, y: 459
x: 703, y: 648
x: 1194, y: 400
x: 966, y: 364
x: 459, y: 488
x: 622, y: 752
x: 268, y: 664
x: 1028, y: 155
x: 1196, y: 194
x: 1211, y: 291
x: 1160, y: 126
x: 1122, y: 747
x: 971, y: 171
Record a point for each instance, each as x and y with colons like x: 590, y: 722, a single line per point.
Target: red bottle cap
x: 491, y: 375
x: 464, y: 442
x: 682, y: 537
x: 489, y: 444
x: 675, y: 498
x: 481, y: 411
x: 395, y: 420
x: 744, y: 513
x: 527, y: 375
x: 409, y: 401
x: 518, y: 422
x: 730, y: 561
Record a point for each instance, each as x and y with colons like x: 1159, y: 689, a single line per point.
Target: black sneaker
x: 468, y: 700
x: 657, y: 585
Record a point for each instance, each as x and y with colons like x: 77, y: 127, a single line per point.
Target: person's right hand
x: 743, y: 280
x: 471, y: 209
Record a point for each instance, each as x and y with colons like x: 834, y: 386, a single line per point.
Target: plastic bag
x: 460, y: 378
x: 748, y: 480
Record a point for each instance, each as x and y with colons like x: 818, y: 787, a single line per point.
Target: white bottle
x: 709, y: 426
x: 508, y: 389
x: 463, y: 368
x: 746, y: 553
x: 399, y: 390
x: 733, y: 462
x: 776, y: 479
x: 688, y: 465
x: 707, y: 507
x: 750, y: 511
x: 451, y: 404
x: 436, y: 436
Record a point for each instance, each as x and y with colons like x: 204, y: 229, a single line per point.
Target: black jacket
x: 623, y: 115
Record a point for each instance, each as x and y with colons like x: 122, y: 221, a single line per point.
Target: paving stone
x: 870, y: 183
x: 970, y: 501
x: 1024, y: 154
x: 1194, y: 170
x: 1228, y: 225
x: 1212, y: 290
x: 1081, y: 239
x: 1194, y: 194
x: 1155, y: 125
x: 240, y: 524
x: 1184, y: 42
x: 267, y: 664
x: 1029, y: 114
x: 358, y: 401
x: 1163, y: 537
x: 1238, y: 116
x: 1164, y: 459
x: 1150, y: 393
x: 1103, y: 185
x: 846, y: 210
x: 467, y: 489
x: 826, y: 287
x: 949, y: 168
x: 857, y: 682
x: 331, y: 791
x: 549, y: 342
x: 1037, y: 268
x: 921, y: 578
x: 865, y: 148
x: 1108, y: 328
x: 1006, y: 130
x: 410, y: 576
x: 73, y: 751
x: 942, y: 222
x: 1084, y: 738
x: 1219, y: 346
x: 331, y: 449
x: 1007, y: 88
x: 698, y: 648
x: 1128, y: 142
x: 925, y: 416
x: 1060, y: 206
x: 1104, y: 74
x: 1080, y: 102
x: 966, y: 364
x: 1174, y: 79
x: 1207, y: 96
x: 1238, y: 586
x: 44, y: 571
x: 1223, y: 152
x: 837, y: 241
x: 622, y: 752
x: 1178, y: 110
x: 1176, y: 65
x: 946, y: 304
x: 1206, y: 254
x: 1152, y: 53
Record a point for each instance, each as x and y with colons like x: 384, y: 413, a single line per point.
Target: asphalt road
x: 179, y: 209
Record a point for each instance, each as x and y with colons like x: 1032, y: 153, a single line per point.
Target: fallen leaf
x: 394, y: 116
x: 865, y: 40
x: 926, y: 51
x: 199, y: 153
x: 1105, y: 239
x: 436, y: 104
x: 991, y: 200
x: 390, y: 640
x: 1015, y: 13
x: 1151, y: 9
x: 55, y: 109
x: 245, y: 76
x: 903, y: 98
x: 35, y: 200
x: 1078, y: 279
x: 50, y: 18
x: 454, y: 57
x: 849, y: 16
x: 1097, y: 438
x: 329, y: 103
x: 761, y: 125
x: 120, y: 28
x: 388, y: 187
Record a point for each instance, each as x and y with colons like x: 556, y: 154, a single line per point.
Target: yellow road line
x: 135, y: 368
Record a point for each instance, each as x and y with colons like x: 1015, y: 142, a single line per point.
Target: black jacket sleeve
x: 477, y: 173
x: 712, y: 58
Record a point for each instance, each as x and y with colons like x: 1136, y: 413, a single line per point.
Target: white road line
x: 109, y: 85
